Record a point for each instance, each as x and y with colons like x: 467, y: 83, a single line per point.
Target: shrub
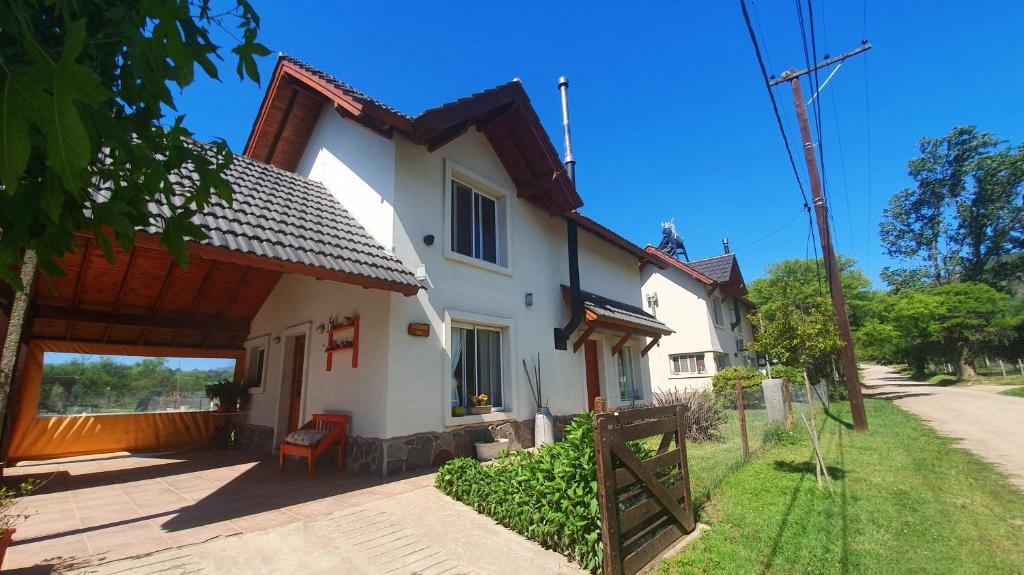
x: 549, y: 496
x: 727, y: 378
x: 792, y: 375
x: 706, y: 413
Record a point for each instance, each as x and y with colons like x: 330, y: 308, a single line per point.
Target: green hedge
x: 727, y: 378
x: 549, y: 496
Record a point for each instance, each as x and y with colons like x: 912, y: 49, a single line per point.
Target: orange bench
x: 335, y: 428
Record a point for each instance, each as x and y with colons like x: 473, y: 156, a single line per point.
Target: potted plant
x: 8, y: 499
x: 458, y: 411
x: 479, y: 404
x: 543, y: 422
x: 488, y: 450
x: 228, y: 394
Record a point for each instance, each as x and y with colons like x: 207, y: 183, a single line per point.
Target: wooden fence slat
x: 624, y: 477
x: 625, y: 416
x: 651, y: 482
x: 606, y: 498
x: 641, y: 512
x: 636, y: 560
x: 682, y: 420
x: 646, y: 429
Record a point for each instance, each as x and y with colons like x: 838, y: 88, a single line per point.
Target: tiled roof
x: 347, y: 89
x: 718, y: 268
x: 280, y: 215
x: 619, y: 312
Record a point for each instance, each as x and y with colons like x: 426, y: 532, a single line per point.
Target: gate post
x: 743, y: 421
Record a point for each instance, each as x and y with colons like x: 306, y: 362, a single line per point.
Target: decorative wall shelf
x: 352, y: 345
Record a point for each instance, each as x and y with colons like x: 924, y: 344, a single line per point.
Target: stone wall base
x: 259, y: 438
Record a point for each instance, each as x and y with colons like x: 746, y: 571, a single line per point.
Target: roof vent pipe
x: 570, y: 160
x: 562, y: 334
x: 725, y: 245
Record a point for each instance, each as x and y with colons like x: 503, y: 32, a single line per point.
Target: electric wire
x: 867, y: 122
x: 772, y: 233
x: 771, y: 95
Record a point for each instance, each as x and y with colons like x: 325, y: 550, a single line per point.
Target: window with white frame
x: 256, y: 363
x: 475, y: 225
x: 716, y: 310
x: 476, y: 367
x: 734, y: 314
x: 627, y: 382
x: 721, y: 361
x: 688, y: 364
x: 741, y: 345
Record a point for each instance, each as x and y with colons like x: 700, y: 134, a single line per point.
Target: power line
x: 771, y: 95
x: 779, y: 229
x: 867, y: 122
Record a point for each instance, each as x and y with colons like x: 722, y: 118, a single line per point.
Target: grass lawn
x: 1014, y: 391
x: 907, y: 501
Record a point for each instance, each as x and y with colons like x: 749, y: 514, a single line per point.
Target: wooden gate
x: 645, y: 504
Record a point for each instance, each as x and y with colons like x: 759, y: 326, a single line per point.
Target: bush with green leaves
x: 727, y: 378
x: 792, y: 375
x: 549, y: 496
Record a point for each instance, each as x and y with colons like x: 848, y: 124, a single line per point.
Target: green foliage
x: 9, y: 498
x: 726, y: 379
x: 83, y: 90
x: 227, y: 393
x: 803, y: 280
x: 791, y: 375
x: 549, y: 496
x: 962, y: 219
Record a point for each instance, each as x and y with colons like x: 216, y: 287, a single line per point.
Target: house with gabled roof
x: 473, y: 199
x: 704, y: 301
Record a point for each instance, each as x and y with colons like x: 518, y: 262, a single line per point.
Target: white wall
x: 358, y: 167
x: 360, y: 393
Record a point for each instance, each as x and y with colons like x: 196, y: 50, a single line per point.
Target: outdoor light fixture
x: 428, y: 239
x: 321, y: 328
x: 529, y: 299
x: 277, y: 339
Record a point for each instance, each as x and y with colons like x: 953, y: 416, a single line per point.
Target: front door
x: 295, y: 402
x: 593, y: 377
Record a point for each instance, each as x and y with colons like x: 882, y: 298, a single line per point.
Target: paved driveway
x: 988, y: 424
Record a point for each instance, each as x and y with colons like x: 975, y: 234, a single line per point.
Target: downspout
x: 736, y: 309
x: 571, y: 231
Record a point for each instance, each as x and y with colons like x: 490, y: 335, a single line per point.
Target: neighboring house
x: 472, y: 199
x: 704, y: 301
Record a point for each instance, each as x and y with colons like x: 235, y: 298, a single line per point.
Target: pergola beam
x: 582, y: 339
x: 650, y: 346
x: 621, y: 343
x: 178, y: 322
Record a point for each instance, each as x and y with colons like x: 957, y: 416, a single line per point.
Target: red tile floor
x: 100, y: 508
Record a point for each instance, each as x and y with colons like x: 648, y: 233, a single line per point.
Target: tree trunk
x: 12, y: 341
x: 964, y: 369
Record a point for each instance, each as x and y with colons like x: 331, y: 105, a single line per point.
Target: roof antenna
x: 570, y: 161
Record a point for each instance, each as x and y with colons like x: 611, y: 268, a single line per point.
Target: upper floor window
x: 474, y: 223
x: 716, y: 311
x: 688, y: 364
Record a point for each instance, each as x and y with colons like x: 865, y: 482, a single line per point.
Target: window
x: 255, y: 366
x: 476, y: 366
x: 688, y: 364
x: 721, y: 361
x: 474, y: 223
x: 741, y: 345
x: 83, y: 384
x: 627, y: 385
x: 716, y: 310
x: 734, y: 314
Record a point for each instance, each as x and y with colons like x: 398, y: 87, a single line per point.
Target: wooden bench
x: 336, y: 427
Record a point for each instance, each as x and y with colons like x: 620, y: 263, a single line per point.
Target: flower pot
x: 5, y: 542
x: 478, y: 409
x: 543, y: 427
x: 488, y: 450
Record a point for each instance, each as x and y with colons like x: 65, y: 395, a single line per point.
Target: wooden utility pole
x: 860, y: 419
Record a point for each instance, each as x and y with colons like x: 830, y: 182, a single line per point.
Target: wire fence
x: 730, y: 427
x: 985, y: 366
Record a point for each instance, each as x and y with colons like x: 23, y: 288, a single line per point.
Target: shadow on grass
x: 893, y: 395
x: 781, y: 531
x: 807, y: 467
x: 843, y: 422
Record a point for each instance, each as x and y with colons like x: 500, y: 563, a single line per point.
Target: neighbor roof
x: 298, y: 92
x: 718, y: 268
x: 284, y: 217
x: 667, y: 259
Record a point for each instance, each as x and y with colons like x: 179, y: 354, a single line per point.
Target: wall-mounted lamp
x: 529, y: 299
x: 277, y: 339
x: 428, y: 239
x: 321, y: 328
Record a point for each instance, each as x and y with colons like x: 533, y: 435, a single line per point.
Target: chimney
x: 570, y: 161
x: 725, y: 244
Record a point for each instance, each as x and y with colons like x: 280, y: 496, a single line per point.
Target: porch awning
x: 600, y: 312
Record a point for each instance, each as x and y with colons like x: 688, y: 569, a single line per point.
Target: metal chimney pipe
x: 725, y: 244
x: 570, y: 160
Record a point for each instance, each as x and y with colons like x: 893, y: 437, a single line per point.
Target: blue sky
x: 182, y: 363
x: 670, y: 116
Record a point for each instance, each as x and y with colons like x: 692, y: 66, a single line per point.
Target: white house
x: 472, y: 199
x: 704, y: 302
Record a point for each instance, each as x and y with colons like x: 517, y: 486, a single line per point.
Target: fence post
x: 787, y: 394
x: 599, y: 406
x: 1020, y: 366
x: 1002, y: 367
x: 743, y: 421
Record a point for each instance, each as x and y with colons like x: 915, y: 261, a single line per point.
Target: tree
x: 964, y: 218
x: 84, y: 141
x: 804, y: 280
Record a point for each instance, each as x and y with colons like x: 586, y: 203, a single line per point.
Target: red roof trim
x: 614, y: 239
x: 651, y: 250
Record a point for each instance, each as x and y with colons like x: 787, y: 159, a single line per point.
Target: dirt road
x: 989, y: 424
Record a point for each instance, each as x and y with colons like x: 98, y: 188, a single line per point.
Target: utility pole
x: 860, y: 419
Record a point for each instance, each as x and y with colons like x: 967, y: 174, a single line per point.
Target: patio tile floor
x: 101, y: 508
